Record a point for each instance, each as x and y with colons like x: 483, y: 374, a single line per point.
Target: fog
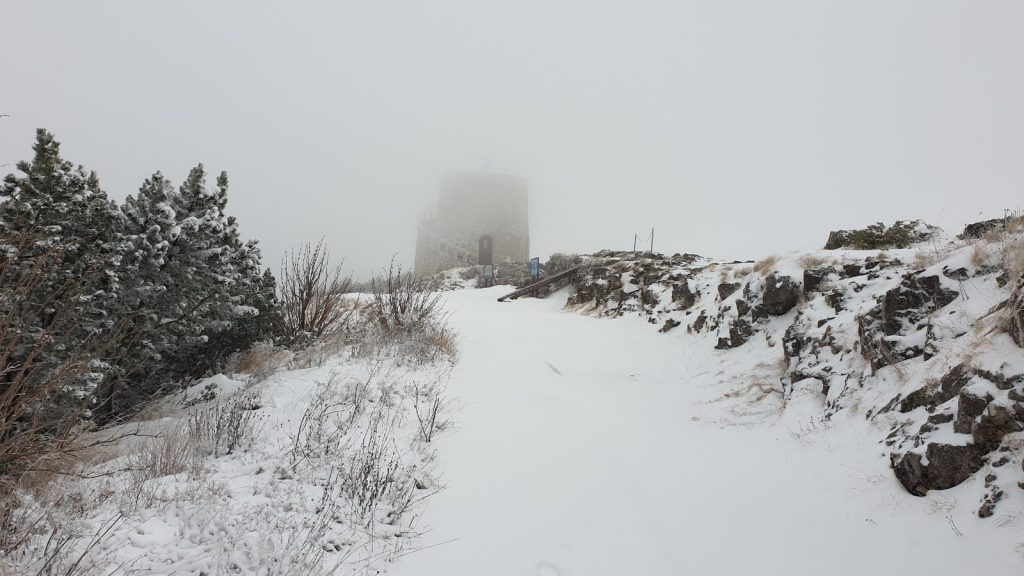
x: 735, y: 129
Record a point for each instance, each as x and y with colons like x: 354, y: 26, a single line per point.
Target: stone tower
x: 479, y: 218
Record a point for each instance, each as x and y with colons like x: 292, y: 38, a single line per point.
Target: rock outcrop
x: 850, y: 325
x: 897, y: 328
x: 902, y: 234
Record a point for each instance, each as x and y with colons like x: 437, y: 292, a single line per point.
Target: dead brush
x: 402, y: 301
x: 766, y: 265
x: 924, y: 258
x: 221, y: 427
x: 260, y: 361
x: 371, y: 467
x: 1012, y: 252
x: 1015, y: 314
x: 314, y: 301
x: 318, y: 432
x: 427, y: 404
x: 981, y: 254
x: 422, y: 344
x: 171, y: 453
x: 812, y: 261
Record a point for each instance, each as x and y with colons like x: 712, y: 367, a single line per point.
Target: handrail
x: 540, y: 284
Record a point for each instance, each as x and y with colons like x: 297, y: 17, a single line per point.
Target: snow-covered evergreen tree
x: 58, y: 224
x: 167, y: 274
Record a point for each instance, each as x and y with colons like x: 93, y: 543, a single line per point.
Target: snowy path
x: 582, y: 449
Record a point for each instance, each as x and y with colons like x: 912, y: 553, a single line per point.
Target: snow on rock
x: 869, y: 330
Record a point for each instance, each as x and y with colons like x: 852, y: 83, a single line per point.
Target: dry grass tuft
x: 260, y: 361
x: 981, y: 253
x: 1013, y: 257
x: 812, y: 261
x: 924, y: 258
x: 766, y: 265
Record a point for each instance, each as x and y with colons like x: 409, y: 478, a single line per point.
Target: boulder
x: 781, y: 295
x: 739, y: 333
x: 949, y: 387
x: 725, y: 289
x: 968, y: 408
x: 813, y: 278
x: 681, y: 293
x: 980, y: 229
x: 996, y: 422
x: 948, y: 466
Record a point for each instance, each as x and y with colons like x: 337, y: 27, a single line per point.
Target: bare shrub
x: 260, y: 361
x: 170, y: 453
x: 1013, y: 257
x: 371, y: 467
x: 312, y: 294
x: 402, y: 301
x: 223, y: 426
x: 324, y: 422
x: 427, y: 406
x: 981, y: 253
x: 924, y: 258
x: 812, y: 261
x: 1014, y: 221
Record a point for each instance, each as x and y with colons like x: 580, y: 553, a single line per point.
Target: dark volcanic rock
x: 698, y: 324
x: 682, y: 295
x: 836, y: 239
x: 949, y: 386
x: 742, y: 307
x: 813, y: 278
x: 739, y: 333
x: 969, y: 407
x: 901, y: 311
x: 947, y: 467
x: 725, y: 289
x: 979, y: 229
x: 669, y: 324
x: 996, y: 422
x: 781, y: 294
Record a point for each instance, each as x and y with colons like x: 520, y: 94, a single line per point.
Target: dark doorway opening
x: 486, y: 252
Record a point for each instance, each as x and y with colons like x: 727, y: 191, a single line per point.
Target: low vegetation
x: 109, y: 316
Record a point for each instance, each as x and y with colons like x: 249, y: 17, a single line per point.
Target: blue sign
x: 535, y: 268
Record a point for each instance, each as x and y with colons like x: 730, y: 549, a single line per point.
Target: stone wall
x: 472, y: 205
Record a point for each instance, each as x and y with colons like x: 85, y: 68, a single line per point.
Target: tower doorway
x: 486, y: 250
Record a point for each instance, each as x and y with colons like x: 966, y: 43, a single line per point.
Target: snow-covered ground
x: 663, y: 416
x: 319, y: 466
x: 589, y: 446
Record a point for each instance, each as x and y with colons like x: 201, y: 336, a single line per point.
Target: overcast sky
x: 736, y: 129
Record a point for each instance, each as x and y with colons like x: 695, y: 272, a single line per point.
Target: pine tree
x: 59, y: 223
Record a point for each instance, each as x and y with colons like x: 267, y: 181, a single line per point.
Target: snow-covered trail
x: 587, y: 447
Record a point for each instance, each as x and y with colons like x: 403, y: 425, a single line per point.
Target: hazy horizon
x: 736, y: 130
